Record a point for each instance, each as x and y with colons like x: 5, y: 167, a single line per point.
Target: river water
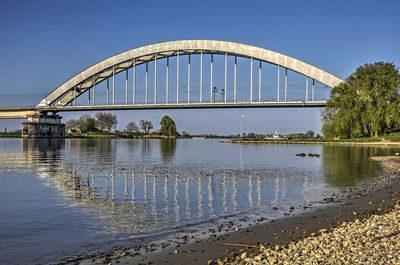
x: 60, y: 198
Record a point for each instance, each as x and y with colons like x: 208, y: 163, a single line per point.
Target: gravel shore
x: 371, y: 240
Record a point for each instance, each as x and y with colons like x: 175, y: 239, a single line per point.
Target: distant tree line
x: 367, y: 104
x: 100, y: 122
x: 310, y: 134
x: 168, y: 127
x: 106, y: 122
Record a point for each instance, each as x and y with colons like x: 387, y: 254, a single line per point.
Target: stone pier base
x: 43, y: 125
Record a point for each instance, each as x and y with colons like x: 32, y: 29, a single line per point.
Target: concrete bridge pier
x: 42, y: 125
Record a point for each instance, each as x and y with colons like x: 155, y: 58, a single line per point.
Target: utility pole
x: 241, y: 125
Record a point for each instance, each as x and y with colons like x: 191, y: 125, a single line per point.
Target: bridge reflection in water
x: 148, y: 198
x: 144, y: 199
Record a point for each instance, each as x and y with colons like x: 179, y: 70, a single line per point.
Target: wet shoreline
x: 366, y: 199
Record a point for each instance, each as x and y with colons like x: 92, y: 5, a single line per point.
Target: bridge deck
x: 216, y: 105
x: 17, y: 113
x: 24, y: 112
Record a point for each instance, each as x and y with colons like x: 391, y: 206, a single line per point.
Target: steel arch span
x: 85, y: 80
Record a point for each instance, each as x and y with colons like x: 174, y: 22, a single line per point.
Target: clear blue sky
x: 44, y: 43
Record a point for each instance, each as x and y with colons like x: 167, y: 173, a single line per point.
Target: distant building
x: 275, y: 137
x: 74, y: 130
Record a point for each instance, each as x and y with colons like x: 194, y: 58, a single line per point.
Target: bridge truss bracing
x: 160, y: 87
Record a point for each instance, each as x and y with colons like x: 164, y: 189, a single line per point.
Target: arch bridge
x: 172, y: 87
x: 65, y: 96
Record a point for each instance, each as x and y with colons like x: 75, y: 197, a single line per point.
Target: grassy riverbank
x: 389, y: 139
x: 118, y: 135
x: 11, y: 134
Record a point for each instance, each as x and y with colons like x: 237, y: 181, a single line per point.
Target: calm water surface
x: 60, y: 198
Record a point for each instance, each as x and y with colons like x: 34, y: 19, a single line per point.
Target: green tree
x: 309, y: 134
x: 72, y: 123
x: 82, y: 120
x: 185, y: 134
x: 79, y: 123
x: 89, y: 125
x: 132, y: 127
x: 146, y: 126
x: 105, y: 121
x: 366, y: 104
x: 168, y: 126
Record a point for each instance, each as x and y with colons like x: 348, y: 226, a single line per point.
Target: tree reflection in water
x: 167, y: 150
x: 347, y: 165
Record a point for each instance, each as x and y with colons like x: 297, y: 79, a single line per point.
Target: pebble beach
x: 370, y: 240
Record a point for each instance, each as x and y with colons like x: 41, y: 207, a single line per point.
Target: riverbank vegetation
x: 168, y: 126
x: 366, y: 105
x: 13, y: 134
x: 384, y: 139
x: 103, y: 125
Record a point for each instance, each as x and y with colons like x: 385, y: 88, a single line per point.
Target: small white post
x: 241, y: 125
x: 259, y: 83
x: 251, y: 79
x: 134, y: 81
x: 306, y: 88
x: 177, y: 79
x: 113, y: 85
x: 201, y: 76
x: 188, y: 85
x: 75, y: 95
x: 108, y: 91
x: 94, y: 91
x: 211, y: 80
x: 313, y: 86
x: 167, y: 82
x: 279, y: 81
x: 235, y: 80
x: 89, y: 89
x: 147, y: 83
x: 126, y: 87
x: 285, y: 84
x: 155, y: 79
x: 226, y: 76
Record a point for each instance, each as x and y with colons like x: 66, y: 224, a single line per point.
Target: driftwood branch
x: 229, y: 244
